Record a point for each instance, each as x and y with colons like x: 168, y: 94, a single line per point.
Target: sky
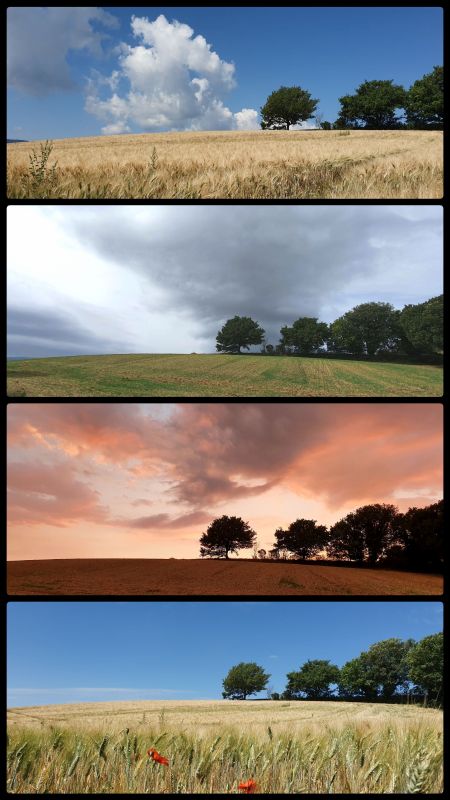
x: 164, y: 279
x: 125, y: 480
x: 141, y: 69
x: 86, y: 652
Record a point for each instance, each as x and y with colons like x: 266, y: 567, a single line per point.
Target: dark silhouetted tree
x: 244, y: 680
x: 306, y: 335
x: 424, y: 102
x: 288, y: 105
x: 239, y: 332
x: 423, y: 325
x: 425, y: 662
x: 313, y: 680
x: 373, y: 106
x: 226, y: 535
x: 422, y: 536
x: 365, y: 534
x: 304, y: 538
x: 367, y: 329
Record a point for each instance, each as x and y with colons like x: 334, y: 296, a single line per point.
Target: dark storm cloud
x: 274, y: 263
x: 40, y: 333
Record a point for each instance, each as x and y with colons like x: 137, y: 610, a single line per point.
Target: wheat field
x: 233, y: 165
x: 212, y: 746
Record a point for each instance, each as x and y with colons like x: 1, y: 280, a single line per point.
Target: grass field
x: 163, y: 577
x: 218, y: 376
x: 238, y: 165
x: 286, y: 747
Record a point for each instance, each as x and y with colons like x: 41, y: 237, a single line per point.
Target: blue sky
x: 73, y: 652
x: 99, y: 75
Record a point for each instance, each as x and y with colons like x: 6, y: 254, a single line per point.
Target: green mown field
x: 218, y: 376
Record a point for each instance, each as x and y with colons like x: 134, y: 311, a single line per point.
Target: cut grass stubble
x: 218, y: 376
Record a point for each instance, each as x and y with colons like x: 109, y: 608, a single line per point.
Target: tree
x: 423, y: 325
x: 306, y: 335
x: 304, y: 537
x: 425, y: 663
x: 243, y: 680
x: 357, y: 680
x: 312, y: 680
x: 287, y: 106
x: 269, y: 349
x: 424, y: 102
x: 326, y: 126
x: 367, y: 329
x: 262, y: 554
x: 239, y: 332
x: 387, y: 665
x: 226, y: 535
x: 422, y: 536
x: 365, y: 534
x: 373, y: 106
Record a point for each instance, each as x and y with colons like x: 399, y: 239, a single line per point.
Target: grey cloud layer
x: 206, y: 264
x: 39, y: 40
x: 35, y: 333
x: 273, y: 263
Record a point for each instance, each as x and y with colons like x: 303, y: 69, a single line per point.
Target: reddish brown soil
x: 164, y: 577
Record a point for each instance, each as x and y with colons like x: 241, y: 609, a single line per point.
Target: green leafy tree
x: 304, y: 538
x: 239, y: 332
x: 326, y: 126
x: 388, y: 666
x: 288, y: 105
x: 368, y: 329
x: 373, y: 106
x: 313, y: 680
x: 244, y: 680
x: 423, y: 325
x: 366, y: 534
x: 424, y: 102
x: 226, y: 535
x: 357, y: 680
x: 425, y: 663
x: 305, y: 335
x: 379, y: 672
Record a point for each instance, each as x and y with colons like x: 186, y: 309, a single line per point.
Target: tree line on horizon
x: 389, y: 670
x: 377, y: 534
x: 369, y: 329
x: 376, y: 105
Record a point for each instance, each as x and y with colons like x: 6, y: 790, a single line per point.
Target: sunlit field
x: 171, y: 576
x: 218, y: 376
x: 285, y: 747
x: 230, y: 164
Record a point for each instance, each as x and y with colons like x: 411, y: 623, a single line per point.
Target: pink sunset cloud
x: 97, y: 463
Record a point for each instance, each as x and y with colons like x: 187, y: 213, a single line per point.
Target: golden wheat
x: 286, y: 747
x: 236, y: 165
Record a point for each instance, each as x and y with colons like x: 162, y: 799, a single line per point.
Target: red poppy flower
x: 156, y: 757
x: 248, y: 787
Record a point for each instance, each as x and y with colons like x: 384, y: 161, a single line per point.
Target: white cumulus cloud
x: 170, y: 79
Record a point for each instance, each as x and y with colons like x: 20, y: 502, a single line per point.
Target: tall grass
x: 391, y: 758
x: 236, y: 165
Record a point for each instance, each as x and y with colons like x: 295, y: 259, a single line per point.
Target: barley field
x: 231, y: 165
x: 285, y: 747
x: 218, y: 376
